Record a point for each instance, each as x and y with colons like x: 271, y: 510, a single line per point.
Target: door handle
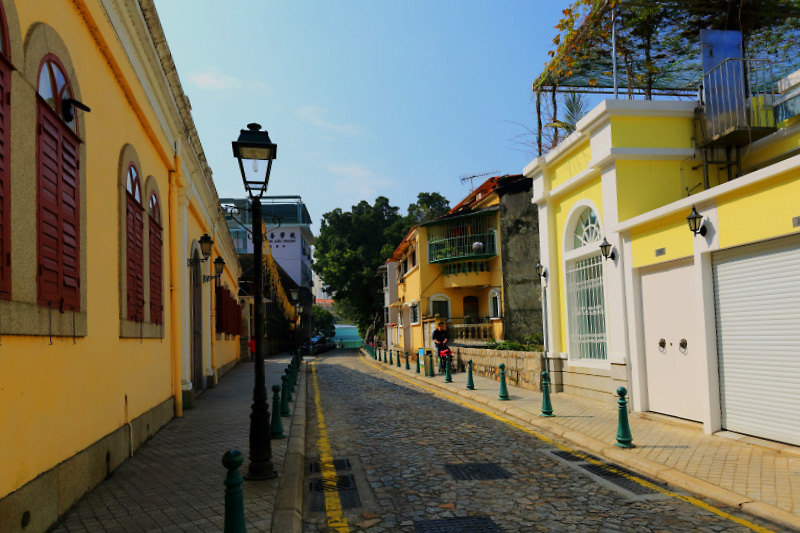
x: 662, y: 343
x: 683, y: 344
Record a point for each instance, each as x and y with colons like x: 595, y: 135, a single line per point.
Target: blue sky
x: 363, y: 98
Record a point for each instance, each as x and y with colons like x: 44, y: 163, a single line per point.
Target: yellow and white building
x: 700, y: 327
x: 109, y: 328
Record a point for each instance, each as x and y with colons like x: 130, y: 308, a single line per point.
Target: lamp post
x: 542, y: 273
x: 255, y: 152
x: 298, y: 307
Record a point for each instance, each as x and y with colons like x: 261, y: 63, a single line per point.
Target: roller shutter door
x: 757, y: 300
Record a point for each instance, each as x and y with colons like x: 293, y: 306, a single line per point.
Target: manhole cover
x: 616, y: 478
x: 345, y: 486
x: 470, y: 524
x: 338, y: 464
x: 476, y: 471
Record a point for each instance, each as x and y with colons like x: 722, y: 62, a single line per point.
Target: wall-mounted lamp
x: 607, y: 250
x: 219, y: 264
x: 205, y: 248
x: 540, y: 270
x: 695, y: 221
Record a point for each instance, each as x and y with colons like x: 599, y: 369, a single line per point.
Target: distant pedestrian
x: 440, y: 341
x: 251, y: 345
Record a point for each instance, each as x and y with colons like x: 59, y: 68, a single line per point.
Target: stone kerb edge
x: 287, y: 515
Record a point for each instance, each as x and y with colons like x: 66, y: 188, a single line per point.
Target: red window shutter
x: 5, y: 185
x: 70, y: 219
x: 48, y: 210
x: 218, y: 308
x: 134, y: 227
x: 156, y: 302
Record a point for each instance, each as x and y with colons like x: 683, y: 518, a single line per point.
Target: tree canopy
x: 352, y: 245
x: 323, y: 321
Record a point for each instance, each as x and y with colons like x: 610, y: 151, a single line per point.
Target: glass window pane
x: 45, y: 88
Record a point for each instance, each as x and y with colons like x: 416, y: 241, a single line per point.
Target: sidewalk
x: 174, y: 482
x: 762, y: 479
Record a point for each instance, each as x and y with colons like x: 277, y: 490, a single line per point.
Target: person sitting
x: 440, y: 341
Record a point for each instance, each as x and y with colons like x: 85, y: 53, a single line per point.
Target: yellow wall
x: 652, y: 132
x: 57, y: 398
x: 577, y: 161
x: 646, y: 185
x: 670, y: 233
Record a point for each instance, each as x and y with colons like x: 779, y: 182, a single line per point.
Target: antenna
x: 470, y: 177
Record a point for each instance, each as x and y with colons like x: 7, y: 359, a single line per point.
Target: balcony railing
x: 471, y: 330
x: 478, y: 246
x: 738, y: 101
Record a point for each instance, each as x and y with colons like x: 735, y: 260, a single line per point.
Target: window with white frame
x: 415, y: 313
x: 494, y: 303
x: 585, y: 295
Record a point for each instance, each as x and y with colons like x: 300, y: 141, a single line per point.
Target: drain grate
x: 617, y: 478
x: 345, y: 486
x: 476, y: 471
x: 572, y: 457
x: 338, y: 464
x: 470, y: 524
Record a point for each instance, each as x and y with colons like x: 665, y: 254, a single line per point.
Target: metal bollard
x: 276, y: 427
x: 429, y: 365
x: 624, y: 437
x: 408, y: 367
x: 288, y: 384
x: 503, y: 389
x: 470, y: 382
x: 234, y: 499
x: 391, y: 362
x: 547, y: 407
x: 398, y: 358
x: 417, y: 362
x: 448, y: 378
x: 284, y: 398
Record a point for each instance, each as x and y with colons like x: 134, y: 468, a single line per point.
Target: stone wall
x: 523, y: 369
x: 519, y: 238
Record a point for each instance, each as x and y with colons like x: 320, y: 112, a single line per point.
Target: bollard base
x: 547, y: 415
x: 624, y: 444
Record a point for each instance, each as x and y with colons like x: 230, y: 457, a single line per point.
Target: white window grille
x: 586, y: 305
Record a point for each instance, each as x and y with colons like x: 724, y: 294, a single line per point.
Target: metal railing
x: 739, y: 95
x: 471, y: 330
x: 474, y: 246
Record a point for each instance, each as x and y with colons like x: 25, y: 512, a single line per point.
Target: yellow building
x: 108, y: 317
x: 699, y: 326
x: 450, y: 270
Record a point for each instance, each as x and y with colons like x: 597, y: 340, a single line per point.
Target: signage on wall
x: 282, y: 238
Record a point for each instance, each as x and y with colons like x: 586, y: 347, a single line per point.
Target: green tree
x: 323, y: 321
x: 429, y: 205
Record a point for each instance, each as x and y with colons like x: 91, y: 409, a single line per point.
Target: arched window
x: 440, y: 306
x: 156, y: 277
x: 494, y: 304
x: 585, y: 294
x: 58, y: 194
x: 5, y: 142
x: 134, y: 237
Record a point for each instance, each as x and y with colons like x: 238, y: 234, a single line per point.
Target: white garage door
x: 757, y: 297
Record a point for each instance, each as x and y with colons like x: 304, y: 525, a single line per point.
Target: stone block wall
x: 523, y: 369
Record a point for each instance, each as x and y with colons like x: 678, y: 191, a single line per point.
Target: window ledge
x: 23, y: 318
x: 128, y: 329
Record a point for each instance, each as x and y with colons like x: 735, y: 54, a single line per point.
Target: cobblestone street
x: 399, y: 439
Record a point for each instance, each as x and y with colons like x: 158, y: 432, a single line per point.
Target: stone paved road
x: 398, y: 439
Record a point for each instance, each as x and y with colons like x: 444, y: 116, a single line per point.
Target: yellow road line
x: 333, y: 505
x: 694, y: 501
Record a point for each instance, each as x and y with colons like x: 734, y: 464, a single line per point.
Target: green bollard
x: 276, y: 428
x: 547, y: 407
x: 417, y: 362
x: 234, y: 500
x: 284, y: 398
x: 408, y: 367
x: 398, y: 358
x: 470, y: 382
x: 429, y: 365
x: 624, y: 437
x: 391, y: 362
x: 448, y: 378
x: 288, y: 385
x: 503, y: 389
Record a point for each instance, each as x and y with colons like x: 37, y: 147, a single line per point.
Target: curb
x: 287, y: 515
x: 652, y: 469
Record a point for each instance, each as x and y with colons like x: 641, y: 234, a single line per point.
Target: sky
x: 363, y: 97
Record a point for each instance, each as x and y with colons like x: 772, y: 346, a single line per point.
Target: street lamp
x: 607, y: 250
x: 298, y: 307
x: 541, y: 271
x: 695, y: 221
x: 255, y: 152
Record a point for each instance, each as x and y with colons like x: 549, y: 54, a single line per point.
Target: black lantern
x: 607, y: 250
x: 540, y: 271
x: 695, y: 221
x: 205, y: 245
x: 295, y: 294
x: 219, y: 264
x: 255, y: 152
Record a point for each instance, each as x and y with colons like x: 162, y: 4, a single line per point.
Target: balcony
x: 471, y: 331
x: 477, y: 246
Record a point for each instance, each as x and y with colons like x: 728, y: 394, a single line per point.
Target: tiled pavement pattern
x: 174, y: 482
x: 399, y: 439
x: 762, y: 470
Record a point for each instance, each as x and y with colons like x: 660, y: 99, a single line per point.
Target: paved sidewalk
x: 174, y: 482
x: 760, y: 479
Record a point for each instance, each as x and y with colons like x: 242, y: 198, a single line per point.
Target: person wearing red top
x: 251, y: 345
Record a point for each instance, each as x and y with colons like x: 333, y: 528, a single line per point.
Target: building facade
x: 110, y: 318
x: 698, y: 322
